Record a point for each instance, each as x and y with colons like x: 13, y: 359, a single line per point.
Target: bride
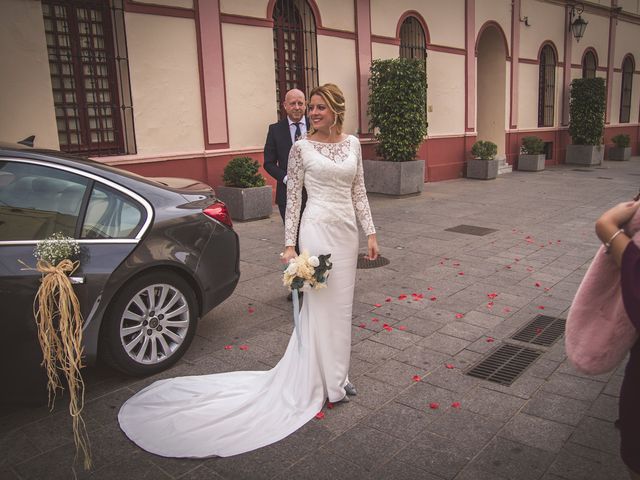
x: 230, y: 413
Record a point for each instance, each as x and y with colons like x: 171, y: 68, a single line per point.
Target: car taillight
x: 218, y: 211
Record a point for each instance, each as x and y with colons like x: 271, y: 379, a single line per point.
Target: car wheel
x: 150, y: 324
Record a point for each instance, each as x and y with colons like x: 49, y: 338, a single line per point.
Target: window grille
x: 84, y: 72
x: 413, y: 42
x: 589, y: 65
x: 295, y: 49
x: 546, y: 87
x: 625, y: 98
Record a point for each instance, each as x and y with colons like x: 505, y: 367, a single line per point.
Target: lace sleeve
x: 359, y: 197
x: 295, y: 182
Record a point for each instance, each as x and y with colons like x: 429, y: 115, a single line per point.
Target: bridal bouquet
x: 307, y: 271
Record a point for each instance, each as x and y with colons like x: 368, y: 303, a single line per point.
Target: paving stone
x: 613, y: 386
x: 343, y: 416
x: 395, y: 373
x: 105, y: 409
x: 422, y: 358
x: 536, y: 432
x: 482, y: 319
x: 436, y: 455
x: 200, y: 473
x: 16, y: 448
x: 421, y: 395
x: 524, y: 387
x: 134, y: 467
x: 373, y: 352
x: 557, y: 408
x: 367, y: 447
x: 597, y: 434
x: 396, y: 470
x: 372, y: 393
x: 605, y: 408
x: 513, y: 460
x: 420, y: 326
x: 444, y: 343
x: 579, y: 463
x: 396, y: 338
x: 398, y: 420
x: 472, y: 472
x: 463, y: 330
x: 495, y: 405
x: 325, y: 465
x: 258, y: 464
x: 542, y: 368
x: 573, y: 387
x: 451, y: 379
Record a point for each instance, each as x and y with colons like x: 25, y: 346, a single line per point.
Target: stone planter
x: 394, y: 178
x: 531, y: 163
x: 482, y: 169
x: 585, y: 154
x: 620, y: 154
x: 247, y: 203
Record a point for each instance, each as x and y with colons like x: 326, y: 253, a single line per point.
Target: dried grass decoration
x: 57, y: 313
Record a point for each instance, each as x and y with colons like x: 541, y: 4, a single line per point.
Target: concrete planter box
x: 482, y: 169
x: 531, y: 163
x: 247, y: 203
x: 393, y: 178
x: 585, y: 154
x: 620, y: 154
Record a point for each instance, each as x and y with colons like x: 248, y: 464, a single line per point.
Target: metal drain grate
x: 543, y: 330
x: 378, y: 262
x: 505, y: 364
x: 471, y: 230
x: 581, y: 170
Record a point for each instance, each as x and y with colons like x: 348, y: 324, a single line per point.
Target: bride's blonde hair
x: 334, y: 99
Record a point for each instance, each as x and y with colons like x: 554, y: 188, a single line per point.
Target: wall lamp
x: 578, y: 25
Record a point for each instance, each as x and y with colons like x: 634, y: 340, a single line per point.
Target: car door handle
x: 76, y: 280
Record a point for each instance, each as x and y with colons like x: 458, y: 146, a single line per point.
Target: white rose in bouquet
x: 314, y: 261
x: 292, y: 269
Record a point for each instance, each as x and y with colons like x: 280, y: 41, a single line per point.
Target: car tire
x: 141, y: 337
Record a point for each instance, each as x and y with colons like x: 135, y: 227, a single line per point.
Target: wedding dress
x: 230, y: 413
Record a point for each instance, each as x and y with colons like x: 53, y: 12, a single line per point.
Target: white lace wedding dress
x: 230, y: 413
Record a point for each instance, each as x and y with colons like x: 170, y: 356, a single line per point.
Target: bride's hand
x: 372, y: 247
x: 288, y: 254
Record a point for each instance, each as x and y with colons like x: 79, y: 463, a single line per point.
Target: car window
x: 37, y: 201
x: 111, y: 214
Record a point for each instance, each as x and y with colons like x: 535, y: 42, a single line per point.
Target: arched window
x: 589, y: 65
x: 413, y: 42
x: 295, y: 48
x: 546, y: 86
x: 625, y: 98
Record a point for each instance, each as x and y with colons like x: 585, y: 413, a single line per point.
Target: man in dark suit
x: 280, y: 138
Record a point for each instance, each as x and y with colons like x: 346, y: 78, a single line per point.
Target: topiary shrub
x: 484, y: 150
x: 586, y: 109
x: 242, y: 172
x: 397, y: 106
x: 532, y: 146
x: 621, y: 140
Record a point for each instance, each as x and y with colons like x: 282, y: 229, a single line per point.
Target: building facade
x: 179, y: 87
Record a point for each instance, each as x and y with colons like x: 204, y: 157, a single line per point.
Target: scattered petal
x: 362, y: 325
x: 506, y: 309
x: 492, y: 295
x: 251, y: 310
x: 228, y: 347
x: 374, y: 319
x: 387, y: 327
x: 329, y: 405
x: 377, y: 305
x: 538, y: 331
x: 433, y: 299
x: 450, y: 366
x: 517, y: 259
x: 456, y: 264
x: 540, y: 307
x: 388, y: 299
x: 244, y: 347
x: 490, y: 340
x: 416, y: 378
x: 459, y: 315
x: 546, y: 289
x: 460, y: 273
x: 320, y: 415
x: 455, y: 405
x: 508, y: 267
x: 537, y: 284
x: 402, y: 327
x: 429, y: 288
x: 434, y: 405
x: 402, y: 296
x: 490, y: 304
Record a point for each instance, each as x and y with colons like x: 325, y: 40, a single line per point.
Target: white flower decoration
x: 292, y: 269
x: 313, y: 261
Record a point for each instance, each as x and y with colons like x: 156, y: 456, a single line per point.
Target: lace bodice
x: 333, y: 176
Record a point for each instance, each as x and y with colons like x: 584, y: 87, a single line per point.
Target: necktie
x: 298, y: 133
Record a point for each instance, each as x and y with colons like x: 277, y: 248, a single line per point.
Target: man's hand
x: 288, y: 254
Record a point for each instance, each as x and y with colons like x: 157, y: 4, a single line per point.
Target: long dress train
x: 230, y: 413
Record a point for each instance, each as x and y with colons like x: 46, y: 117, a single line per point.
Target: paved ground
x: 552, y: 423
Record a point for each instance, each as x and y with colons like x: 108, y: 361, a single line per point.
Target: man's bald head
x: 295, y: 104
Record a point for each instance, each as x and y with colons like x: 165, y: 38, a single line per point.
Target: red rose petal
x: 362, y: 325
x: 434, y: 405
x: 537, y: 284
x: 460, y: 273
x: 387, y: 327
x: 546, y: 289
x: 459, y: 315
x: 492, y: 295
x: 329, y: 405
x: 506, y: 309
x: 416, y: 378
x: 251, y: 310
x: 490, y: 304
x: 320, y: 415
x: 455, y: 405
x: 540, y: 307
x: 377, y: 305
x: 228, y: 347
x: 388, y: 299
x: 402, y: 327
x: 490, y: 340
x: 517, y: 259
x: 375, y: 320
x: 402, y: 296
x: 455, y: 264
x: 538, y: 331
x: 244, y: 347
x: 450, y: 366
x: 508, y: 266
x: 433, y: 299
x: 429, y: 288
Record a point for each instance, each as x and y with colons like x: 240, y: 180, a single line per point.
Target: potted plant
x: 483, y: 165
x: 397, y: 115
x: 532, y: 157
x: 245, y: 191
x: 586, y: 125
x: 622, y: 150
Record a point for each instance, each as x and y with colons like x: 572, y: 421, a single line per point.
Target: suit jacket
x: 276, y: 156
